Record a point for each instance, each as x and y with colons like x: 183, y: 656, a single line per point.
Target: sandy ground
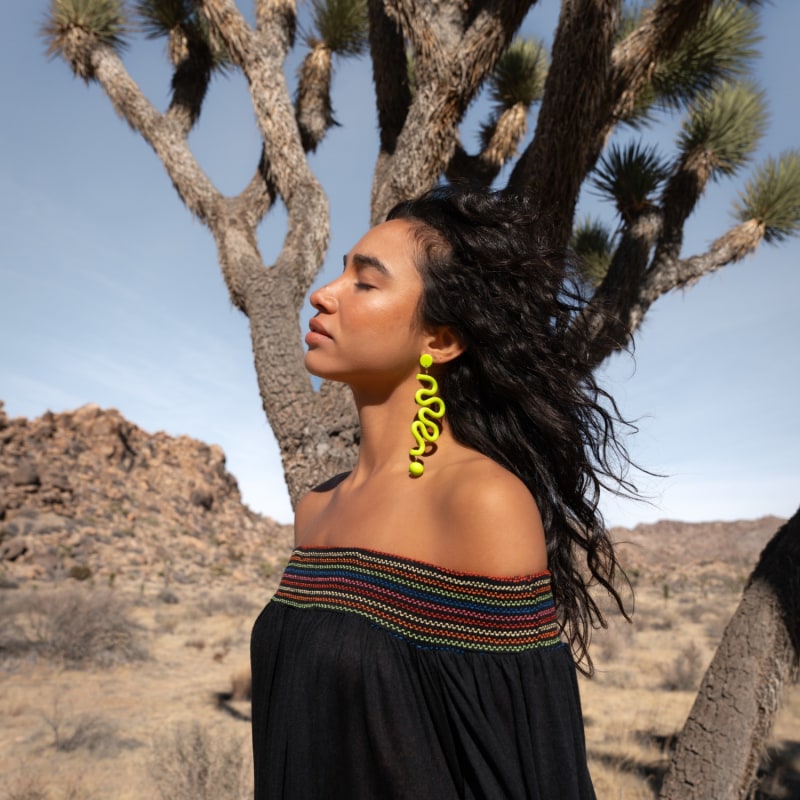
x: 87, y: 733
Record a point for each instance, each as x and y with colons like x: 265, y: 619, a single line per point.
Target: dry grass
x: 199, y: 650
x: 74, y: 625
x: 32, y: 786
x: 683, y: 674
x: 232, y: 604
x: 644, y: 688
x: 193, y: 762
x: 89, y: 731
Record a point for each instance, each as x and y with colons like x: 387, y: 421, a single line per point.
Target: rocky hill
x: 89, y: 495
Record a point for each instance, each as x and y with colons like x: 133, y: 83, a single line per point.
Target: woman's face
x: 366, y: 332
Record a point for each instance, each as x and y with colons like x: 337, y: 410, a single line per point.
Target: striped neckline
x: 428, y: 606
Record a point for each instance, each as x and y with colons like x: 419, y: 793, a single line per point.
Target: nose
x: 324, y: 298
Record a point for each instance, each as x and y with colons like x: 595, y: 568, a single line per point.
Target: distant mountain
x: 88, y: 494
x: 695, y: 549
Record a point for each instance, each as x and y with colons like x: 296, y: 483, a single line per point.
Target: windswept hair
x: 521, y: 393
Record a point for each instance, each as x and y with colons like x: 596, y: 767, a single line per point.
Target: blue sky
x: 110, y: 292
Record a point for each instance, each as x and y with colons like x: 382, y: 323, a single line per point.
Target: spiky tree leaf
x: 161, y: 17
x: 721, y: 49
x: 341, y: 25
x: 519, y: 74
x: 593, y: 245
x: 772, y: 197
x: 182, y: 23
x: 724, y: 127
x: 73, y: 27
x: 629, y: 175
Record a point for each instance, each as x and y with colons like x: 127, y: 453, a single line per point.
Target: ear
x: 444, y: 344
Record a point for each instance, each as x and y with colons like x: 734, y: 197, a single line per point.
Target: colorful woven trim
x: 427, y: 605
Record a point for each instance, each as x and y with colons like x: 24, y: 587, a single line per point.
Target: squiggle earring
x: 425, y: 428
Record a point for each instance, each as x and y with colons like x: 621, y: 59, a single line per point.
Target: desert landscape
x: 130, y: 576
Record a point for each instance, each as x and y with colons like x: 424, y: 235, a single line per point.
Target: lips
x: 317, y: 333
x: 317, y: 327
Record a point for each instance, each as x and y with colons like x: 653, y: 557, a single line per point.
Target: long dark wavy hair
x: 519, y: 393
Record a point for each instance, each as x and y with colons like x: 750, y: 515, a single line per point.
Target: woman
x: 413, y: 648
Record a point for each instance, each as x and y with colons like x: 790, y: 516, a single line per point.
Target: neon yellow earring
x: 425, y: 428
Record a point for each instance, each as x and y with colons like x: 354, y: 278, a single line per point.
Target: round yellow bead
x: 415, y: 468
x: 425, y: 360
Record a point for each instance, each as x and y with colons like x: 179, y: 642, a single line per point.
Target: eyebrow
x: 361, y: 261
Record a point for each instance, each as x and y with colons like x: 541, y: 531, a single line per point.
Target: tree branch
x: 605, y: 323
x: 392, y: 90
x: 615, y: 312
x: 314, y: 112
x: 389, y: 74
x: 634, y: 59
x: 591, y: 85
x: 679, y: 198
x: 451, y: 68
x: 261, y: 59
x: 277, y: 18
x: 190, y: 83
x: 163, y: 134
x: 464, y: 167
x: 256, y: 199
x: 577, y: 97
x: 501, y: 137
x: 730, y: 247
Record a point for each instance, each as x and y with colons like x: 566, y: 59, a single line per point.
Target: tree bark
x: 718, y: 751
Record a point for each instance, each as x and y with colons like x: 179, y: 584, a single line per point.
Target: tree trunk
x: 726, y: 733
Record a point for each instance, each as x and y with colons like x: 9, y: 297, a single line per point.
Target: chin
x: 311, y: 367
x: 314, y: 367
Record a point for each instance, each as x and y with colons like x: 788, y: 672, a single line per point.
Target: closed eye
x: 363, y: 286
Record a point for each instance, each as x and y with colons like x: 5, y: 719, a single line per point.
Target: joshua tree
x: 611, y: 72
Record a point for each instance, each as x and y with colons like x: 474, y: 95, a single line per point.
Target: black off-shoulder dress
x: 377, y: 677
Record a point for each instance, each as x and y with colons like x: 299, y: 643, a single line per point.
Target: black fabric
x: 344, y: 709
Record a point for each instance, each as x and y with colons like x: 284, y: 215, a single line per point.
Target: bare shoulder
x: 493, y: 523
x: 313, y: 503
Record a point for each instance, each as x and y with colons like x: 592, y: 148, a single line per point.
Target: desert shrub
x: 685, y: 671
x: 167, y: 623
x: 168, y: 597
x: 29, y: 787
x: 32, y: 786
x: 611, y: 643
x: 231, y: 604
x: 192, y: 762
x: 72, y: 732
x: 87, y: 731
x: 715, y: 627
x: 76, y: 625
x: 12, y: 632
x: 656, y: 618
